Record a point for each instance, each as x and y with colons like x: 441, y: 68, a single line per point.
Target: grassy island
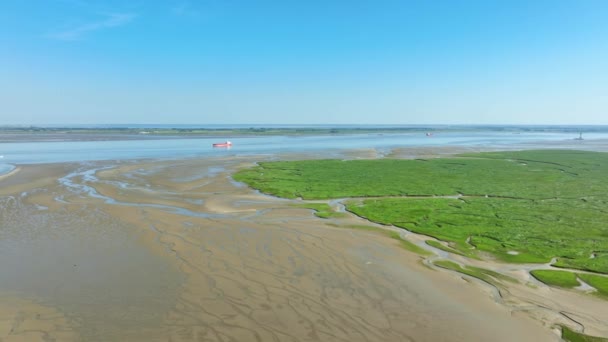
x: 525, y: 207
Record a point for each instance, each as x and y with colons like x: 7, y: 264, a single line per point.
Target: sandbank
x: 218, y: 261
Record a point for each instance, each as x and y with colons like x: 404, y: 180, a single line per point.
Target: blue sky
x: 304, y: 62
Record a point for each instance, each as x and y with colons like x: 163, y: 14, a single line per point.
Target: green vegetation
x: 442, y: 247
x: 321, y: 210
x: 567, y: 279
x: 573, y: 336
x: 473, y: 175
x: 480, y: 273
x: 410, y: 246
x: 355, y: 226
x: 512, y: 230
x: 600, y: 283
x: 493, y: 274
x: 556, y: 278
x: 527, y: 206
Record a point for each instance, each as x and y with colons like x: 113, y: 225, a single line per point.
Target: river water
x: 70, y: 151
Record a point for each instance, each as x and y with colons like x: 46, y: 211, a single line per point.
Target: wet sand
x: 8, y: 174
x: 159, y: 251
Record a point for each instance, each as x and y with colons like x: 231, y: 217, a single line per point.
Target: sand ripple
x: 177, y: 251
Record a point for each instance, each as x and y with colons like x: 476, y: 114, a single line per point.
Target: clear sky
x: 304, y: 62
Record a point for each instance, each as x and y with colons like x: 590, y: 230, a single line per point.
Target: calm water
x: 51, y: 152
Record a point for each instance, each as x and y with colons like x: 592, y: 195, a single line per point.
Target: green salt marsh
x: 573, y: 336
x: 522, y: 207
x: 566, y: 279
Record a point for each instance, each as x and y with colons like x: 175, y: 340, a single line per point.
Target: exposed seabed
x: 176, y: 250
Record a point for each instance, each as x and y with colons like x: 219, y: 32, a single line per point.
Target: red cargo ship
x: 224, y: 144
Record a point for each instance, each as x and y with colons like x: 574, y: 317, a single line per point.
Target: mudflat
x: 177, y: 250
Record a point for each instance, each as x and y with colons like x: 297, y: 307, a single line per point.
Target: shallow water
x: 6, y: 168
x: 69, y: 151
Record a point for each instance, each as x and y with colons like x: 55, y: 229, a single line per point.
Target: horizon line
x: 285, y: 125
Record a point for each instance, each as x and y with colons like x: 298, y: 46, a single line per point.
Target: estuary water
x: 70, y: 151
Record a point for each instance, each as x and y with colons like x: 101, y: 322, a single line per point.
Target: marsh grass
x: 563, y: 279
x: 600, y: 283
x: 321, y: 210
x: 356, y: 227
x: 522, y: 207
x: 403, y: 243
x: 444, y: 248
x: 410, y: 246
x: 569, y: 280
x: 573, y: 336
x: 480, y: 273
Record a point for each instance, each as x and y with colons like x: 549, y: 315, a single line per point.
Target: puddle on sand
x: 89, y: 266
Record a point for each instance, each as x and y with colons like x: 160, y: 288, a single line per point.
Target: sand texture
x: 178, y: 251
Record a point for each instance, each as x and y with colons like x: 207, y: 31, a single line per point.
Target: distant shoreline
x: 10, y: 134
